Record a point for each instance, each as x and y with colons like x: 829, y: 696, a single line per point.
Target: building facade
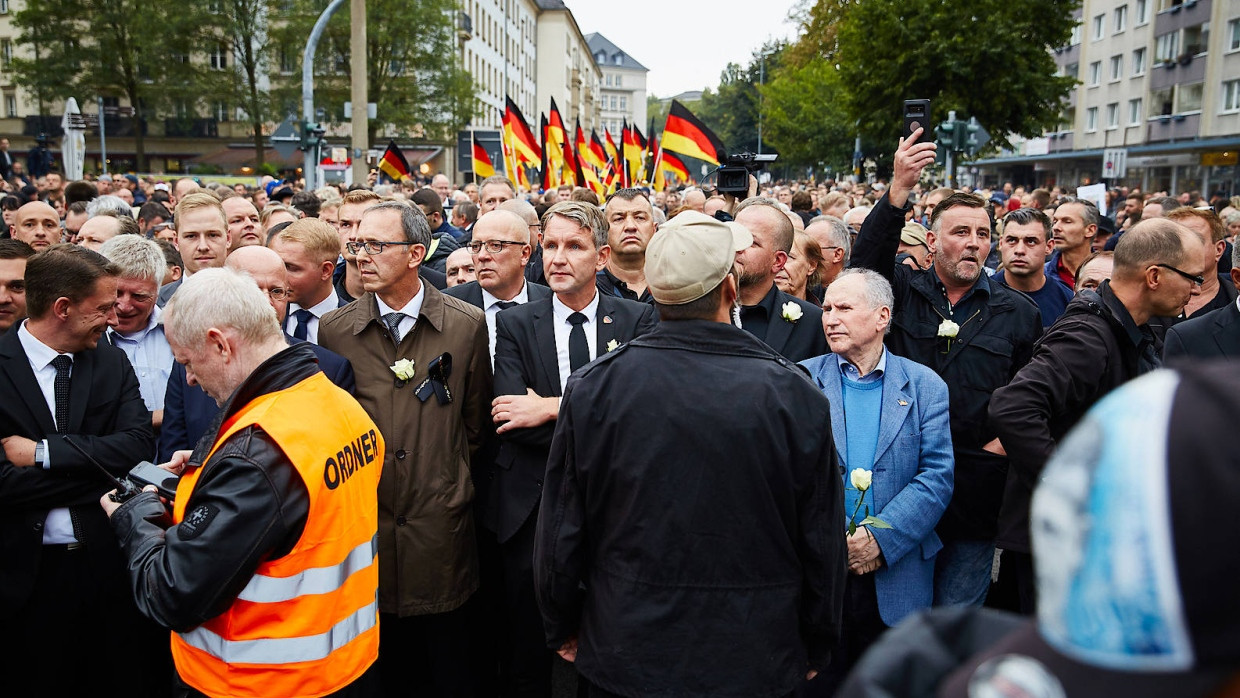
x: 567, y: 70
x: 623, y: 92
x: 1158, y: 98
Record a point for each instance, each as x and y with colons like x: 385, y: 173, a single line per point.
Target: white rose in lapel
x: 403, y: 369
x: 948, y: 329
x: 613, y: 345
x: 792, y: 312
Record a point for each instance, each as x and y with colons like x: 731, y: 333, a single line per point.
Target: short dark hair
x: 80, y: 190
x: 954, y: 200
x: 1025, y: 216
x: 61, y: 271
x: 802, y: 201
x: 1168, y: 203
x: 76, y: 207
x: 413, y: 223
x: 704, y: 308
x: 468, y: 211
x: 429, y: 199
x: 172, y: 256
x: 307, y: 203
x: 584, y: 195
x: 152, y: 210
x: 15, y: 249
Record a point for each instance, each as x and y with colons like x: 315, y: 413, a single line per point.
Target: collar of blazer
x: 432, y: 309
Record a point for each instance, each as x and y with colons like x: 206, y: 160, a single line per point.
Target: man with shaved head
x: 500, y: 249
x: 37, y: 225
x: 188, y: 410
x: 533, y: 266
x: 695, y: 199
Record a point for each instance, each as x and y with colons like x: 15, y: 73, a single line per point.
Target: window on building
x: 613, y: 103
x: 1233, y: 35
x: 4, y: 7
x: 1161, y: 102
x: 1188, y: 97
x: 1142, y: 12
x: 1069, y: 120
x: 619, y: 79
x: 181, y: 109
x: 1134, y: 112
x: 1138, y: 62
x: 624, y: 104
x: 1117, y: 68
x: 1091, y: 119
x: 1231, y: 95
x: 619, y: 59
x: 219, y: 57
x: 10, y: 106
x: 1100, y: 23
x: 220, y: 111
x: 1121, y: 18
x: 6, y: 52
x: 288, y: 61
x: 1196, y: 39
x: 1113, y: 115
x: 607, y: 79
x: 1076, y: 35
x: 1167, y: 47
x: 1095, y: 73
x: 1168, y: 4
x: 1072, y: 70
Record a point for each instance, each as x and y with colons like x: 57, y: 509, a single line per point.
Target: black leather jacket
x: 249, y: 506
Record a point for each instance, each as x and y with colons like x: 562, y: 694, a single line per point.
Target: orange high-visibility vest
x: 307, y: 623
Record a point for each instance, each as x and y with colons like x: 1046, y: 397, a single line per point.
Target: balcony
x: 1173, y: 127
x: 191, y: 128
x: 1059, y: 142
x: 464, y: 26
x: 1183, y: 14
x: 1187, y: 69
x: 50, y: 125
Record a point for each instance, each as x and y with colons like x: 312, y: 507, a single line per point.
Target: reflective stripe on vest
x: 318, y: 580
x: 286, y: 650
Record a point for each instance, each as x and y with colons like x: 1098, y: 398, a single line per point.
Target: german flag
x: 598, y: 153
x: 483, y: 167
x: 393, y: 163
x: 578, y: 154
x: 545, y: 167
x: 670, y: 164
x: 609, y: 145
x: 633, y: 145
x: 519, y: 135
x: 686, y: 135
x: 590, y: 178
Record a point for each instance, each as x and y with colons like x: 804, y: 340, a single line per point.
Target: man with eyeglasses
x: 834, y: 237
x: 424, y: 376
x: 1100, y: 342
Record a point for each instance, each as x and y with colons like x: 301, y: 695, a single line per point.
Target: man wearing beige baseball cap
x: 685, y: 492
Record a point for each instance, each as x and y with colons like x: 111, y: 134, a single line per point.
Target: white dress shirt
x: 58, y: 526
x: 150, y: 356
x: 411, y: 310
x: 490, y: 305
x: 562, y: 329
x: 317, y: 311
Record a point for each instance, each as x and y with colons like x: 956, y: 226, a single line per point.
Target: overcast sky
x: 685, y: 44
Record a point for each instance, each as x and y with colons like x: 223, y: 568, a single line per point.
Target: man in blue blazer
x: 889, y: 417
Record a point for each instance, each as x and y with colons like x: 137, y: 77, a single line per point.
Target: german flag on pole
x: 556, y: 144
x: 673, y: 165
x: 598, y: 153
x: 521, y: 138
x: 609, y: 145
x: 483, y: 167
x: 545, y: 167
x: 579, y: 152
x: 685, y: 134
x: 393, y: 163
x: 632, y: 144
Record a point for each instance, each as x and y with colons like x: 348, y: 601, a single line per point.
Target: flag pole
x: 473, y: 143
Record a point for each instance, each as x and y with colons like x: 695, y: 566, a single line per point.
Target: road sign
x: 286, y: 139
x: 1114, y: 163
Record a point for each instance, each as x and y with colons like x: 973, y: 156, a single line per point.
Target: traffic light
x: 945, y: 134
x: 311, y: 135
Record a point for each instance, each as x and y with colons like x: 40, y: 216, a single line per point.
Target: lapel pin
x: 903, y: 403
x: 606, y: 319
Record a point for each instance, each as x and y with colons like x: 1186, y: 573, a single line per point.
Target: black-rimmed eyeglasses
x: 372, y: 246
x: 493, y: 246
x: 1198, y: 280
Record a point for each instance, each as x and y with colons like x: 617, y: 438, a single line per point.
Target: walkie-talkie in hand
x: 144, y: 473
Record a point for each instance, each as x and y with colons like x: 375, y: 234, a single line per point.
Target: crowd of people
x: 428, y: 440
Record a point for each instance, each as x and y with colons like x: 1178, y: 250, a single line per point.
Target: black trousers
x: 529, y: 660
x: 426, y: 656
x: 1016, y: 589
x: 861, y: 627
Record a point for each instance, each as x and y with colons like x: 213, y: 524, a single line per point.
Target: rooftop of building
x: 600, y: 44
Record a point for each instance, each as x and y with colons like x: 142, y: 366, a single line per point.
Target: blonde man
x: 202, y: 237
x: 309, y: 248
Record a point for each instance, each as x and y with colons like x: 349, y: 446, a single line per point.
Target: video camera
x: 733, y: 176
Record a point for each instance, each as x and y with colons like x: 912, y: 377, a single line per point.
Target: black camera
x: 732, y: 177
x: 141, y: 475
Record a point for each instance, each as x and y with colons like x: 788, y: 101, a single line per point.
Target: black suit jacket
x: 796, y: 340
x: 1211, y: 336
x: 106, y: 417
x: 188, y: 410
x: 471, y: 293
x: 526, y: 357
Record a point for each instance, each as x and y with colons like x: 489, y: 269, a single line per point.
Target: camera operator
x: 267, y: 576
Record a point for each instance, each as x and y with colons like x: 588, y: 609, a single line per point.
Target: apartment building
x: 1159, y: 86
x: 623, y: 93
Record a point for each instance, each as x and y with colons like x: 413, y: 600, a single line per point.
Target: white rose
x: 792, y: 312
x: 613, y: 345
x: 948, y: 329
x: 861, y: 479
x: 403, y: 368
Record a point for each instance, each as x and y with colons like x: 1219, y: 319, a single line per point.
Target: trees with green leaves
x: 105, y: 48
x: 413, y: 63
x: 240, y: 30
x: 802, y: 117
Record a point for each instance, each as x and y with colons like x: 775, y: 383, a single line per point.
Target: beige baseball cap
x: 913, y: 233
x: 689, y: 256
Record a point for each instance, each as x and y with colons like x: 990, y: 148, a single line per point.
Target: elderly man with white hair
x: 139, y: 331
x: 889, y: 418
x: 277, y: 495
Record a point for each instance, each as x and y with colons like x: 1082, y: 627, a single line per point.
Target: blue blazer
x: 912, y: 484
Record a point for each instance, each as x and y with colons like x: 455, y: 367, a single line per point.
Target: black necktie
x: 301, y: 331
x: 62, y: 364
x: 578, y: 348
x: 505, y: 305
x: 392, y: 320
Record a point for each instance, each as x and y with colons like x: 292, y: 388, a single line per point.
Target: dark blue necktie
x: 62, y: 364
x: 302, y: 330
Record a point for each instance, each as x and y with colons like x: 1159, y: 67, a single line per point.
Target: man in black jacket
x: 976, y: 334
x: 1100, y: 342
x: 693, y: 549
x: 787, y: 324
x: 1213, y: 335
